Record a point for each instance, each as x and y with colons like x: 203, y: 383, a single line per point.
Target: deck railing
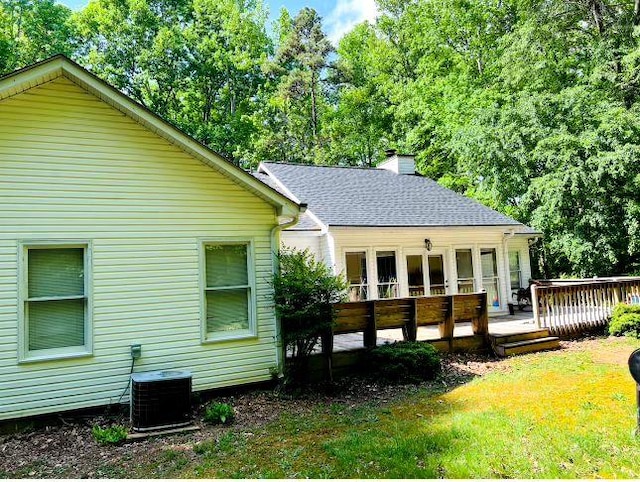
x: 568, y: 307
x: 408, y: 314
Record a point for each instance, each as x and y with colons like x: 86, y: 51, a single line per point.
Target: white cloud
x: 346, y: 14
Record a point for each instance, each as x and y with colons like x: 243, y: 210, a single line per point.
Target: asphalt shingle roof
x: 305, y: 223
x: 341, y: 196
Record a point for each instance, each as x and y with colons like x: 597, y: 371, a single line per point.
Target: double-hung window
x: 54, y: 301
x: 515, y: 270
x: 229, y: 305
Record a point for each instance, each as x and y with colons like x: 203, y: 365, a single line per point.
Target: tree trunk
x: 636, y: 12
x: 314, y: 109
x: 596, y: 12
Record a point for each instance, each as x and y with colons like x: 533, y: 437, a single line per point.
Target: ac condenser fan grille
x: 160, y: 401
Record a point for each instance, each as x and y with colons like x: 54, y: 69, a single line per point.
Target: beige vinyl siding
x: 74, y: 168
x: 303, y: 240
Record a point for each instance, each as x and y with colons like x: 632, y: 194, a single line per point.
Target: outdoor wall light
x: 427, y: 244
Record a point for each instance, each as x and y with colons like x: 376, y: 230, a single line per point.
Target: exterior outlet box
x: 136, y: 351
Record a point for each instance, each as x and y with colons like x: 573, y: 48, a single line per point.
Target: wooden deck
x: 521, y: 321
x: 567, y: 307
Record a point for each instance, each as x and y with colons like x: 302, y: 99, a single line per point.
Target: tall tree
x: 359, y: 124
x: 32, y: 30
x: 195, y: 62
x: 529, y: 106
x: 298, y: 102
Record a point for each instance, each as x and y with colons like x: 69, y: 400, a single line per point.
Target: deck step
x: 527, y: 346
x: 498, y: 339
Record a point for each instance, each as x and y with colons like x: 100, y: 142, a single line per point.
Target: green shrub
x: 625, y: 320
x: 111, y: 435
x: 405, y: 362
x: 219, y: 413
x: 304, y: 291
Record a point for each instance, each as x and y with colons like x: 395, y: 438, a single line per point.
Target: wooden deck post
x: 447, y: 326
x: 617, y: 293
x: 327, y: 351
x: 534, y: 304
x: 370, y: 333
x: 480, y: 325
x: 410, y: 330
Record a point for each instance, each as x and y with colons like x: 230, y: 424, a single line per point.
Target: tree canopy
x: 531, y: 107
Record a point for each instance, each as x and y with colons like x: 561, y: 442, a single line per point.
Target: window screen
x: 515, y: 270
x: 227, y: 291
x: 387, y: 275
x: 464, y: 266
x: 356, y: 264
x: 415, y: 275
x: 55, y: 307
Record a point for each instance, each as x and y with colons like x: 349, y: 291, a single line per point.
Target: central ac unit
x: 160, y: 399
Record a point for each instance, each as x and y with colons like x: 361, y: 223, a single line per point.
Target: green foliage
x: 290, y: 124
x: 461, y: 430
x: 532, y: 108
x: 32, y: 30
x: 217, y: 412
x: 112, y: 435
x: 625, y: 320
x: 195, y: 62
x: 304, y: 291
x: 404, y: 362
x: 227, y: 442
x: 359, y: 122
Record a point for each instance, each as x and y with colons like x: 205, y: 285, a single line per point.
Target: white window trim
x: 252, y: 331
x: 24, y: 354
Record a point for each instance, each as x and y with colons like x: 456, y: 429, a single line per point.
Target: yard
x: 558, y: 414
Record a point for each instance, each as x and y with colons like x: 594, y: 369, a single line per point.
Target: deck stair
x: 525, y: 342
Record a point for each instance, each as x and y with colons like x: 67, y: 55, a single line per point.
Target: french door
x: 415, y: 275
x: 437, y: 275
x: 464, y: 268
x: 426, y: 274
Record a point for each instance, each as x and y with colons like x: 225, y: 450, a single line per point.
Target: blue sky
x: 339, y: 15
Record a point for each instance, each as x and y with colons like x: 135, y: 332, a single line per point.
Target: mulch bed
x: 67, y: 448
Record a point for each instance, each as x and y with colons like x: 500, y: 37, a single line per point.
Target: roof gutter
x: 507, y: 236
x: 292, y: 222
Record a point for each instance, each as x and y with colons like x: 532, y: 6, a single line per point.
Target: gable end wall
x: 74, y: 168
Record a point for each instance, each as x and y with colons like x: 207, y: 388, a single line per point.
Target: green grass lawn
x: 562, y: 414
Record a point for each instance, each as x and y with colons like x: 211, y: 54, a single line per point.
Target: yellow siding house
x: 117, y: 229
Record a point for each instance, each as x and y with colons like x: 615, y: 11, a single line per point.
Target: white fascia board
x: 30, y: 77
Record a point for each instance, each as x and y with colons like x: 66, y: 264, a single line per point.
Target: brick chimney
x: 399, y: 163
